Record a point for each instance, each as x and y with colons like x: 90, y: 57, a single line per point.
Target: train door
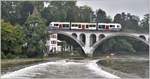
x: 107, y: 27
x: 83, y: 27
x: 60, y: 26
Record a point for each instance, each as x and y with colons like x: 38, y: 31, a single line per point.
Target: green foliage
x: 3, y: 55
x: 36, y: 35
x: 122, y: 45
x: 125, y: 46
x: 66, y: 11
x: 18, y: 11
x: 26, y: 9
x: 85, y: 14
x: 101, y: 16
x: 10, y: 11
x: 29, y: 40
x: 118, y: 44
x: 12, y: 39
x: 132, y: 23
x: 145, y: 23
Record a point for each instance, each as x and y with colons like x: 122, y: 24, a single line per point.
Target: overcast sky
x: 111, y: 7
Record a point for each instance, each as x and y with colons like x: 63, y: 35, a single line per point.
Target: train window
x: 112, y: 26
x: 87, y: 26
x: 94, y: 25
x: 55, y: 24
x: 117, y: 25
x: 73, y: 25
x: 101, y: 26
x: 65, y: 25
x: 79, y: 26
x: 76, y: 25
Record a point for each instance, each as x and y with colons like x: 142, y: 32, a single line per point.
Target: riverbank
x: 12, y: 62
x: 9, y: 65
x: 126, y: 68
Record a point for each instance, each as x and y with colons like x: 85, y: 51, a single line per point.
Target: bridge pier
x: 87, y: 51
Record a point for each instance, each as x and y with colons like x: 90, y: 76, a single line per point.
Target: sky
x: 112, y: 7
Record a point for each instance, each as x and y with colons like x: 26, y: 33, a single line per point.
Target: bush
x: 3, y: 55
x: 10, y: 56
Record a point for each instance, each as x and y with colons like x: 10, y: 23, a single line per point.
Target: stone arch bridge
x: 89, y: 40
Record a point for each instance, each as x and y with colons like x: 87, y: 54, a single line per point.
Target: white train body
x: 86, y: 26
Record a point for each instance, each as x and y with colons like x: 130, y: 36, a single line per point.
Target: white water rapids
x: 61, y: 69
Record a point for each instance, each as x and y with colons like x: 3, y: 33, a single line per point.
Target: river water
x: 61, y: 69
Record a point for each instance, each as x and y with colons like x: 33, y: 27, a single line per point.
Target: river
x: 65, y: 68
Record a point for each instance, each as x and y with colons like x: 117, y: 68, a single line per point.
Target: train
x: 85, y: 26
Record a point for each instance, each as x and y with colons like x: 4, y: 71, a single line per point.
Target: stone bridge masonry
x: 89, y: 40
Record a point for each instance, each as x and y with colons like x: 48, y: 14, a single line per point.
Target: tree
x: 26, y: 9
x: 101, y: 15
x: 145, y: 23
x: 17, y: 11
x: 85, y: 13
x: 36, y: 34
x: 47, y: 13
x: 117, y: 44
x: 10, y: 11
x: 130, y: 23
x: 118, y: 18
x: 12, y: 39
x: 108, y: 19
x: 60, y: 11
x: 38, y: 4
x: 66, y: 11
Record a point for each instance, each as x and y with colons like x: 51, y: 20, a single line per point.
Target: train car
x: 90, y: 26
x: 109, y: 27
x: 86, y: 26
x: 54, y: 25
x: 115, y: 27
x: 60, y: 25
x: 77, y: 26
x: 83, y: 26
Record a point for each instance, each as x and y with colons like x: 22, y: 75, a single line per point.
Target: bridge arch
x: 75, y: 40
x: 74, y: 35
x: 143, y: 37
x: 101, y: 36
x: 92, y: 39
x: 108, y: 37
x: 82, y: 38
